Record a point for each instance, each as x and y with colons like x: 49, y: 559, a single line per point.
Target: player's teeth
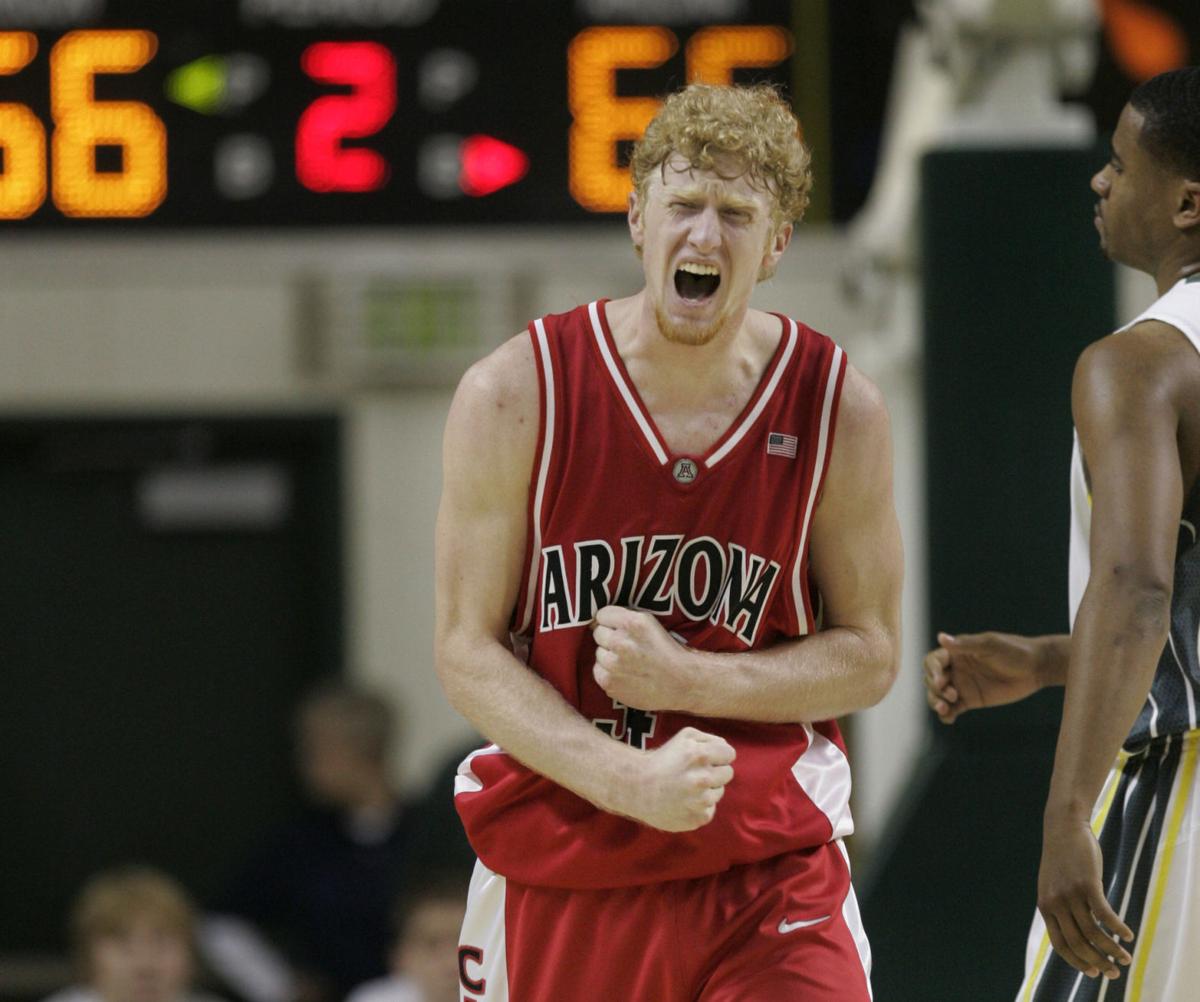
x: 700, y: 269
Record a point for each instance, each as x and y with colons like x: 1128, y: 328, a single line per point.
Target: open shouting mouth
x: 697, y: 282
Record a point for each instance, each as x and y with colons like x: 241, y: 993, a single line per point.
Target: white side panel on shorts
x: 854, y: 923
x: 824, y: 775
x: 483, y: 931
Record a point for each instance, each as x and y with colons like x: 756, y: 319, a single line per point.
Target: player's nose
x: 705, y: 233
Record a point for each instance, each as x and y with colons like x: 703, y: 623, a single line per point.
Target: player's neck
x: 694, y: 392
x: 1181, y: 261
x: 686, y: 368
x: 1186, y: 271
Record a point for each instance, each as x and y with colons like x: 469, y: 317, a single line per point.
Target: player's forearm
x: 523, y: 714
x: 1120, y: 633
x: 826, y: 675
x: 1053, y: 655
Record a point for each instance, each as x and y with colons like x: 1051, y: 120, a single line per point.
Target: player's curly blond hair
x: 753, y: 124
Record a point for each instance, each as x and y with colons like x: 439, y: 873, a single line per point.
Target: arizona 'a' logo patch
x: 685, y: 470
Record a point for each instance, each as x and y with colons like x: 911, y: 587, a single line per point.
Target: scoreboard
x: 142, y: 113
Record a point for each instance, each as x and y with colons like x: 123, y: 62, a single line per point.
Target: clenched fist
x: 678, y: 786
x: 638, y: 662
x: 989, y: 669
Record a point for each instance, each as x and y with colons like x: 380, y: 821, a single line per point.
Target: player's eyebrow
x: 694, y: 192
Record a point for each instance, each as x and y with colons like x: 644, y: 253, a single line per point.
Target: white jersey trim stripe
x: 819, y: 463
x: 776, y: 376
x: 543, y: 470
x: 631, y: 402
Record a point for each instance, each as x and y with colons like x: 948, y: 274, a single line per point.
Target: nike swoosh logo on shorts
x: 785, y: 926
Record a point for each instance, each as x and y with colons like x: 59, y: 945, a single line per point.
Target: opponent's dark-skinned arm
x: 1126, y: 400
x: 971, y: 671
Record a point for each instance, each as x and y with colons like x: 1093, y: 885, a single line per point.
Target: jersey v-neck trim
x: 621, y: 380
x: 738, y: 428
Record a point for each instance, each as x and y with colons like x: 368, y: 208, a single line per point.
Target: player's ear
x: 776, y: 245
x: 783, y: 237
x: 1187, y: 211
x: 637, y: 230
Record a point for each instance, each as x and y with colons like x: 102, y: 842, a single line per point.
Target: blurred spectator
x: 308, y: 916
x: 424, y: 954
x: 133, y: 933
x: 320, y: 886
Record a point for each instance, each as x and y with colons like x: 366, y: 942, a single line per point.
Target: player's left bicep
x: 855, y: 549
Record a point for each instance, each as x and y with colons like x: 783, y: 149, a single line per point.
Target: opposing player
x: 667, y: 556
x: 1121, y: 855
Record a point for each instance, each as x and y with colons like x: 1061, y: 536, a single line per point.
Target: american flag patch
x: 781, y: 445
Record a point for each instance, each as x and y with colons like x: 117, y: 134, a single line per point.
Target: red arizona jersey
x: 716, y: 546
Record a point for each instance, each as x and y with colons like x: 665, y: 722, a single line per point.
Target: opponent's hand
x: 982, y: 669
x: 679, y: 785
x: 637, y: 661
x: 1081, y: 924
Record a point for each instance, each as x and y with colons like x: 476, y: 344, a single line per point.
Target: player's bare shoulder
x: 495, y: 413
x: 1145, y: 377
x: 1151, y: 363
x: 862, y: 411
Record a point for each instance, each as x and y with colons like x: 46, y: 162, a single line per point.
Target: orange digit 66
x: 82, y: 124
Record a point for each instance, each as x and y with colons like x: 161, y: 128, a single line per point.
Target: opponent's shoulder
x: 1148, y: 363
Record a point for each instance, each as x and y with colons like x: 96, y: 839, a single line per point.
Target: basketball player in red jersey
x: 667, y: 558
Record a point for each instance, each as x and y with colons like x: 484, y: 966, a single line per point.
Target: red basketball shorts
x: 783, y: 930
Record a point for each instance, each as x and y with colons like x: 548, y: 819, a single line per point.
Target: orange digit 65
x: 82, y: 124
x: 22, y: 137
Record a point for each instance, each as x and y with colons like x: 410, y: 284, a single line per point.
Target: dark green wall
x: 1014, y: 287
x: 150, y: 675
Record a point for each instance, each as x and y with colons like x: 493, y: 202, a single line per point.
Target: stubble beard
x: 686, y: 333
